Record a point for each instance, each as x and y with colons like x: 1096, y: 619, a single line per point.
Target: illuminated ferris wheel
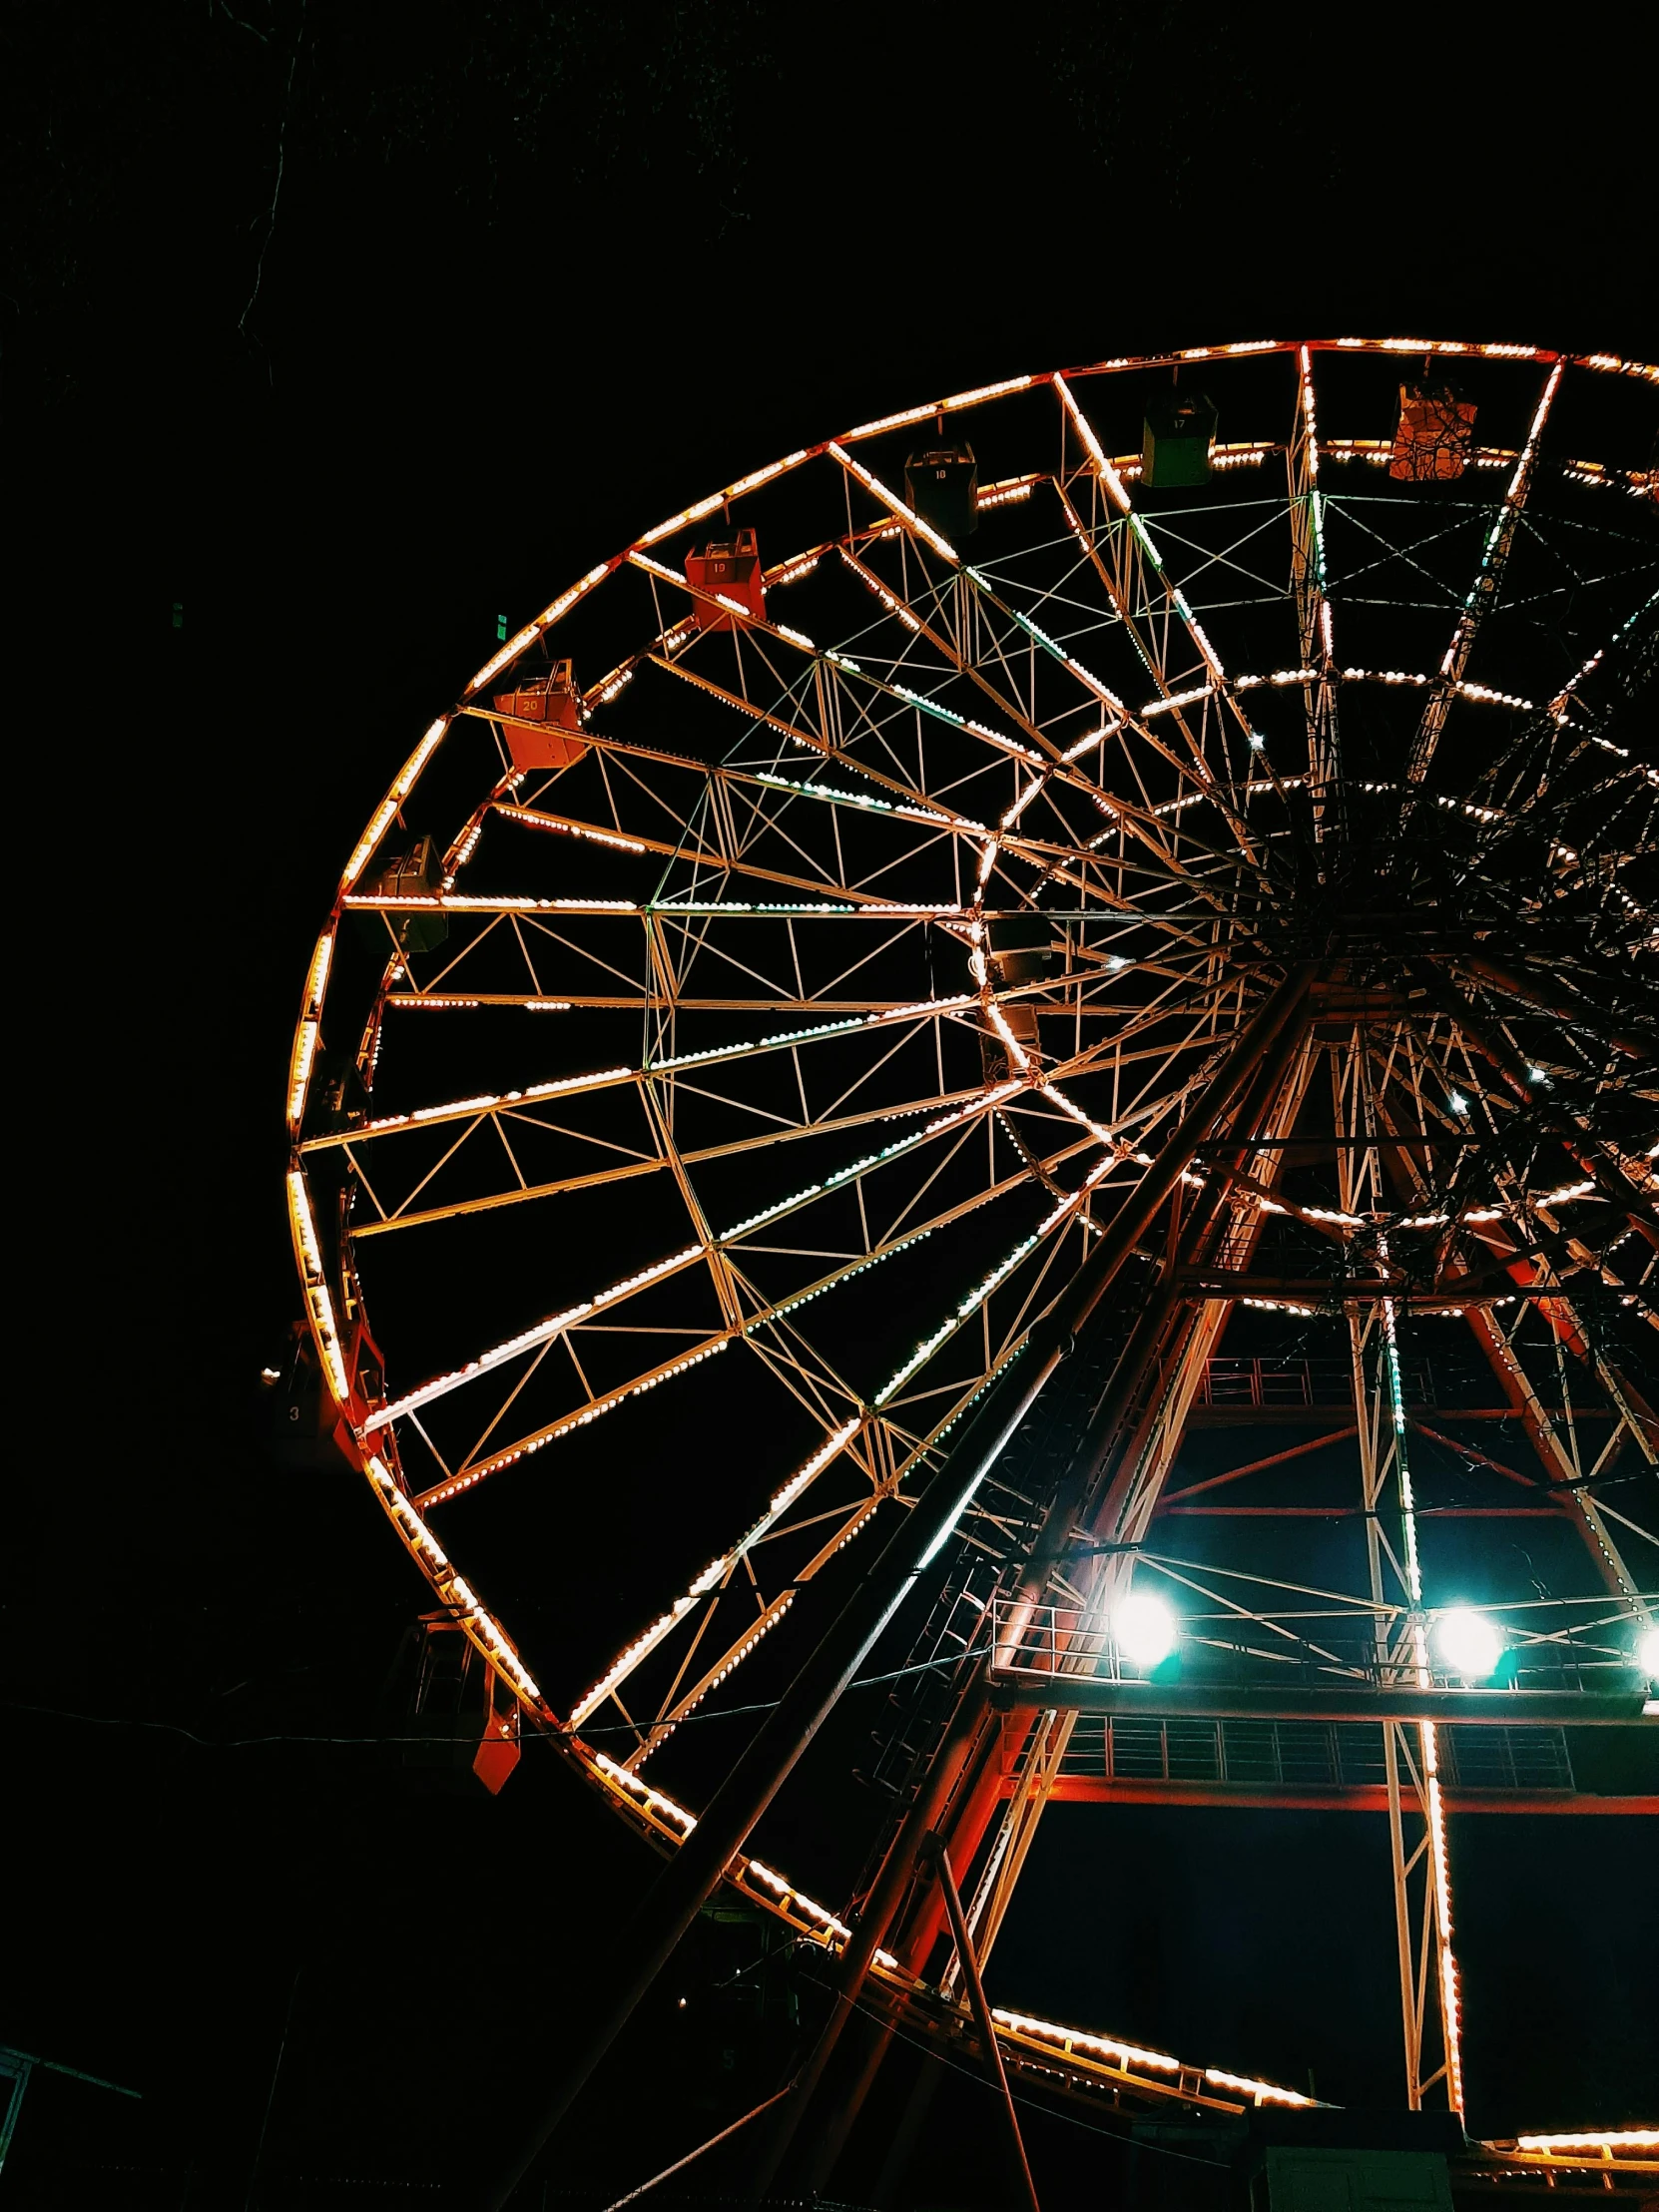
x: 907, y: 958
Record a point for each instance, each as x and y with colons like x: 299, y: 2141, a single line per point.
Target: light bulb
x: 1468, y: 1643
x: 1459, y: 1104
x: 1647, y: 1652
x: 1145, y: 1629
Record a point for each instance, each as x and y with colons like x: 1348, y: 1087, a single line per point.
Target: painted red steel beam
x: 1467, y: 1452
x: 1361, y: 1797
x: 1255, y: 1467
x: 1039, y: 1689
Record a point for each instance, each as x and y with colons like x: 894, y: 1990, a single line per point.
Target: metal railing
x: 1304, y: 1755
x: 1291, y: 1383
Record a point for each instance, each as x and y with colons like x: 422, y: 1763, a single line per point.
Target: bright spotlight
x: 1647, y: 1652
x: 1468, y: 1643
x: 1459, y: 1104
x: 1145, y: 1629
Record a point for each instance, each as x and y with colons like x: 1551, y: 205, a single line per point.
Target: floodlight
x: 1468, y: 1643
x: 1459, y: 1104
x: 1647, y: 1652
x: 1145, y: 1629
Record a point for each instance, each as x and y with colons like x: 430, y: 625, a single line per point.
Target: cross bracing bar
x: 1040, y: 750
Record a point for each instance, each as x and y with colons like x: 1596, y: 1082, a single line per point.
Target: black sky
x: 348, y: 330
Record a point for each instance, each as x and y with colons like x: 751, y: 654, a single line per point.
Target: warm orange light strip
x: 306, y: 1035
x: 387, y: 811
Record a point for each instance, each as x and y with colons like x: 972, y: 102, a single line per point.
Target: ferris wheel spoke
x: 534, y: 1338
x: 1311, y: 591
x: 400, y: 1218
x: 1482, y: 593
x: 825, y: 748
x: 718, y: 1574
x: 637, y: 1001
x: 713, y: 1249
x: 1310, y: 568
x: 633, y: 1163
x: 1145, y: 551
x: 474, y: 1471
x: 836, y: 669
x: 1126, y: 719
x: 680, y: 1701
x: 850, y: 1522
x: 1004, y: 696
x: 619, y: 841
x: 763, y: 1314
x: 911, y: 804
x: 1121, y: 614
x: 1093, y: 685
x: 943, y: 1102
x: 522, y: 1102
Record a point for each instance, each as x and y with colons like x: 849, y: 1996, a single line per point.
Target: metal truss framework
x: 912, y: 952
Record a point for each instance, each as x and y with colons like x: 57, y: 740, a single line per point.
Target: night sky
x: 348, y: 330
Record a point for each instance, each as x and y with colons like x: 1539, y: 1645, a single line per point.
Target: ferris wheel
x: 862, y: 995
